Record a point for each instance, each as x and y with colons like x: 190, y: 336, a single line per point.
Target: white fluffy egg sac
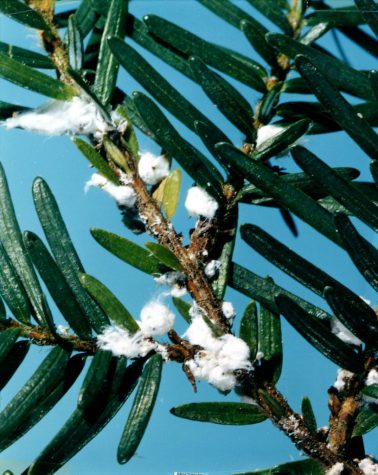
x: 228, y: 310
x: 199, y: 333
x: 372, y: 377
x: 267, y: 132
x: 121, y: 343
x: 221, y: 356
x: 152, y: 168
x: 222, y: 380
x: 200, y: 204
x: 368, y: 467
x: 336, y: 469
x: 343, y: 376
x: 156, y: 319
x: 78, y: 116
x: 123, y: 194
x: 212, y: 268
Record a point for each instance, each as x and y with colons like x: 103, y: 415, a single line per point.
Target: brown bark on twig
x: 42, y: 337
x: 292, y: 424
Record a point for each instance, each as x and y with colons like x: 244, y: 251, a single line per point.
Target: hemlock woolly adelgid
x: 342, y: 377
x: 199, y: 203
x: 123, y: 194
x: 212, y: 268
x: 121, y: 343
x: 156, y: 319
x: 221, y: 356
x: 152, y: 168
x: 372, y: 377
x: 79, y: 116
x: 267, y: 132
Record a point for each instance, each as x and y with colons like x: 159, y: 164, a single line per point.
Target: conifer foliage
x: 86, y: 47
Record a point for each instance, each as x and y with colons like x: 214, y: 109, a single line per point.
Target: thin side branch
x: 292, y: 424
x: 42, y: 337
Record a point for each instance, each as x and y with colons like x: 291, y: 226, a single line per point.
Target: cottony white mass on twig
x: 368, y: 466
x: 228, y: 310
x: 152, y: 168
x: 336, y: 469
x: 342, y: 377
x: 267, y: 132
x: 79, y: 116
x: 156, y: 319
x: 221, y: 356
x: 372, y: 377
x: 121, y: 343
x: 212, y: 268
x: 123, y: 194
x: 175, y: 281
x: 200, y: 204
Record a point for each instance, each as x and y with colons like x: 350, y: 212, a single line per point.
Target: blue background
x: 172, y: 444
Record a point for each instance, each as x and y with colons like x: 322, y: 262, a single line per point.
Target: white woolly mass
x: 156, y: 319
x: 178, y: 292
x: 222, y: 380
x: 123, y: 194
x: 172, y: 280
x: 368, y: 466
x: 228, y: 310
x: 199, y: 203
x: 169, y: 278
x: 233, y: 354
x: 152, y: 169
x: 63, y: 329
x: 121, y: 343
x: 343, y: 333
x: 342, y: 376
x: 372, y: 377
x: 267, y: 132
x: 119, y: 122
x: 221, y: 356
x: 212, y: 268
x: 199, y: 333
x: 79, y: 116
x: 162, y: 350
x: 335, y: 469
